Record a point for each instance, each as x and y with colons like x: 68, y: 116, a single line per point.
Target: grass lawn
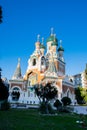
x: 29, y: 119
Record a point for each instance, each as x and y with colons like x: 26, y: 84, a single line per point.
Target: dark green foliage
x: 3, y: 91
x: 46, y: 108
x: 5, y: 105
x: 0, y: 14
x: 66, y: 101
x: 78, y: 95
x: 84, y: 95
x: 57, y: 104
x: 45, y: 94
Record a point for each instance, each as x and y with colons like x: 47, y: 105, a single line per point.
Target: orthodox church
x: 42, y: 68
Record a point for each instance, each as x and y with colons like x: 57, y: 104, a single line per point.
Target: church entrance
x: 15, y: 94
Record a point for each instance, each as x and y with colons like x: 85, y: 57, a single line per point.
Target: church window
x: 30, y: 102
x: 34, y: 62
x: 33, y: 102
x: 28, y: 93
x: 68, y: 94
x: 34, y: 94
x: 42, y: 60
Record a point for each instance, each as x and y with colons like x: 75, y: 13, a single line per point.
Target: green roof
x: 60, y: 48
x: 52, y: 38
x: 42, y: 46
x: 54, y: 44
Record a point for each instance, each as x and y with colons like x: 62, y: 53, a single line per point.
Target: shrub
x: 5, y: 105
x: 46, y: 108
x: 57, y: 104
x: 66, y: 101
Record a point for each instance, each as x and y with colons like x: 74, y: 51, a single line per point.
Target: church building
x: 42, y: 68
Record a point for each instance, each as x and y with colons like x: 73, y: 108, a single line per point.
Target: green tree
x: 78, y: 95
x: 57, y: 104
x: 45, y: 94
x: 66, y: 101
x: 3, y: 91
x: 84, y: 94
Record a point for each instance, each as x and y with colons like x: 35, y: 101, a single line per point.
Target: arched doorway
x: 15, y: 94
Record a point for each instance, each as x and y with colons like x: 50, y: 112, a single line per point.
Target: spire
x: 51, y: 71
x: 17, y: 74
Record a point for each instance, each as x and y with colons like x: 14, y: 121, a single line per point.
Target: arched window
x: 68, y: 93
x: 42, y: 60
x: 34, y: 62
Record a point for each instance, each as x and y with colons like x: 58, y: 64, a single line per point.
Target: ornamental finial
x: 19, y: 60
x: 60, y: 42
x: 42, y: 40
x: 38, y: 38
x: 52, y: 30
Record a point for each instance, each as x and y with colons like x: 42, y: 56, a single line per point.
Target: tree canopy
x: 3, y: 91
x: 46, y: 93
x: 66, y: 101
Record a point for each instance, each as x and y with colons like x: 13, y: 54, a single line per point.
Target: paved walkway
x: 80, y: 109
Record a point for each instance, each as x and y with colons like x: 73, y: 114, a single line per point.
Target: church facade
x: 42, y: 68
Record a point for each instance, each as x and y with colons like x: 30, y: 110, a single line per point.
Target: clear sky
x: 23, y: 20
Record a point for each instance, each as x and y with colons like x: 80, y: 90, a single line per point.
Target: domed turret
x: 55, y: 41
x: 51, y: 41
x: 54, y: 44
x: 61, y: 50
x: 51, y: 38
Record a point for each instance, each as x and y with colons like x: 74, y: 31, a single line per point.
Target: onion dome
x: 54, y: 44
x: 42, y: 46
x: 52, y: 38
x: 60, y: 48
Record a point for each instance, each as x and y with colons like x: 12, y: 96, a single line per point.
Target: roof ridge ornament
x: 19, y: 60
x: 42, y: 40
x: 38, y: 38
x: 52, y: 30
x: 54, y: 37
x: 60, y: 43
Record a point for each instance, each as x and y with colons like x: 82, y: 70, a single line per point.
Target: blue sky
x: 23, y: 20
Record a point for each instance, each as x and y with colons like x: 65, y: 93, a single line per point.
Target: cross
x: 38, y: 38
x: 60, y: 42
x: 52, y: 29
x: 42, y: 40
